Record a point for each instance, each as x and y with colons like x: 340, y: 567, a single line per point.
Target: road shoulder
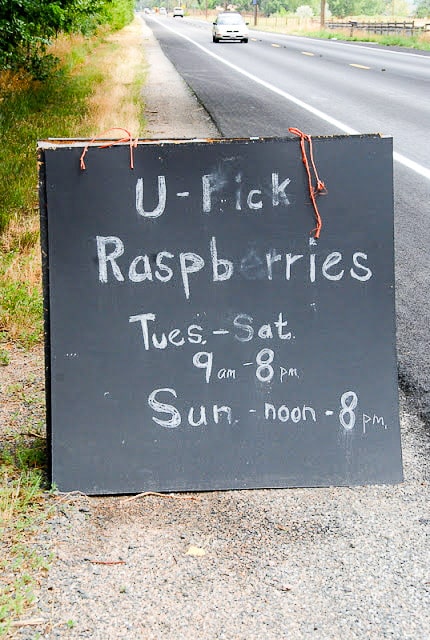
x: 171, y: 109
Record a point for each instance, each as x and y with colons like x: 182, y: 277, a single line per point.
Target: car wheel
x: 214, y: 39
x: 245, y: 40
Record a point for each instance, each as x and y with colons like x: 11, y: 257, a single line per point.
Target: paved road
x: 324, y: 87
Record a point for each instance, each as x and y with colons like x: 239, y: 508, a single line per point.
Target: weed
x: 24, y: 508
x: 21, y: 309
x: 23, y: 511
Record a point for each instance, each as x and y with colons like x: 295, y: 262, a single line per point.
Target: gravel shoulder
x: 331, y: 563
x: 171, y: 110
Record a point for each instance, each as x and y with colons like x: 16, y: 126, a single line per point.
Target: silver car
x: 230, y: 26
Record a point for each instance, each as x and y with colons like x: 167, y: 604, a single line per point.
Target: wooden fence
x: 403, y: 28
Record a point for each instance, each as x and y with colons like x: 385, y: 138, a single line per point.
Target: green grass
x: 24, y: 508
x: 39, y: 110
x: 4, y: 357
x: 31, y: 111
x: 21, y: 305
x: 23, y: 513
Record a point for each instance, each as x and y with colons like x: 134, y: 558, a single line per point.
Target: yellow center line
x: 307, y: 53
x: 359, y: 66
x: 276, y: 45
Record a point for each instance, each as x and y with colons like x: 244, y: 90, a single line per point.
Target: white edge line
x: 410, y: 164
x: 401, y: 159
x: 355, y: 44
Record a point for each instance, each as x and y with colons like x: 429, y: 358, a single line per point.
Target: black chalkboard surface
x: 199, y: 337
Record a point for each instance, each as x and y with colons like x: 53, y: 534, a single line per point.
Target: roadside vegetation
x: 92, y: 89
x: 388, y: 9
x: 90, y: 82
x: 24, y: 510
x: 310, y: 27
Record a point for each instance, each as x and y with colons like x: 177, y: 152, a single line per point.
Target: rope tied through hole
x: 319, y: 188
x: 110, y: 143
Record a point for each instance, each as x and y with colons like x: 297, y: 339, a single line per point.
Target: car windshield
x: 230, y: 19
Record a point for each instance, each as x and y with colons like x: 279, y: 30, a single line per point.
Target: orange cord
x: 320, y: 187
x: 128, y: 138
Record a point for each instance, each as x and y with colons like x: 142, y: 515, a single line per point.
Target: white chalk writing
x: 113, y: 264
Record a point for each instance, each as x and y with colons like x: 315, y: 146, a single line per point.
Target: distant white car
x: 163, y: 11
x: 178, y: 12
x: 229, y: 25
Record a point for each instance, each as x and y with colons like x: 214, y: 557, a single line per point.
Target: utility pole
x: 322, y: 18
x: 254, y: 2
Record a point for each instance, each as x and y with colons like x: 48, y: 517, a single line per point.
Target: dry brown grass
x: 26, y: 268
x: 425, y: 37
x: 21, y: 240
x: 115, y: 102
x: 61, y: 47
x: 21, y: 234
x: 21, y: 281
x: 120, y: 59
x: 11, y: 81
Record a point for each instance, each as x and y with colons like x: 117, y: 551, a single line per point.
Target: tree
x: 342, y: 8
x: 268, y: 7
x: 241, y: 5
x: 28, y: 26
x: 370, y: 7
x: 422, y: 9
x: 304, y: 11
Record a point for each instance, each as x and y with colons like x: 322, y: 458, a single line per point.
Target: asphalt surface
x: 268, y: 85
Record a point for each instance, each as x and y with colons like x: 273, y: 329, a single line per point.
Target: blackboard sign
x: 199, y: 336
